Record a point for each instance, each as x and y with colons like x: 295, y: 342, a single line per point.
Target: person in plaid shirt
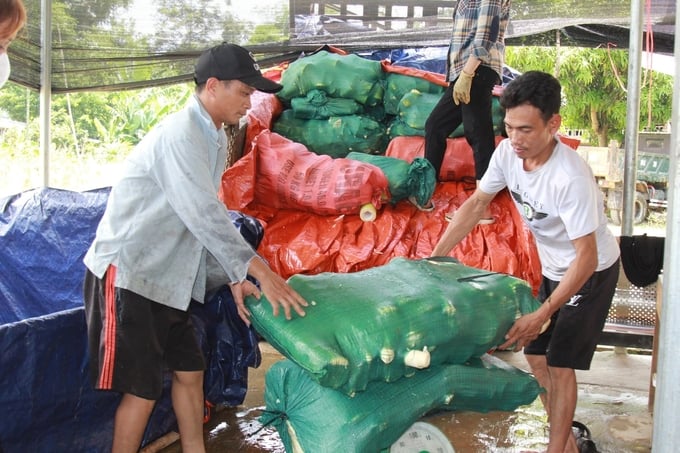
x: 475, y: 65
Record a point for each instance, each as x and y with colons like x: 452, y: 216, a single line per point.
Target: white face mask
x: 4, y: 68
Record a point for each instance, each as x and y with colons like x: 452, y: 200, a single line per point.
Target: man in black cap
x: 166, y: 239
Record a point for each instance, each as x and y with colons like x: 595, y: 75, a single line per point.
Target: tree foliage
x: 594, y: 86
x: 88, y: 13
x: 272, y: 32
x: 82, y: 122
x: 198, y: 24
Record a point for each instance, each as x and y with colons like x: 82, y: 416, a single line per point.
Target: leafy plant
x: 594, y: 83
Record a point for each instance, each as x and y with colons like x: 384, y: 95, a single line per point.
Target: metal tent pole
x: 666, y: 435
x: 632, y: 117
x: 45, y: 88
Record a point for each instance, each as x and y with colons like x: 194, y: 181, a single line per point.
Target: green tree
x: 88, y: 13
x: 594, y: 84
x: 275, y: 31
x: 79, y: 119
x: 195, y: 25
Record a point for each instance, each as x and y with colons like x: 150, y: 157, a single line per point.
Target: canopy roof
x: 121, y: 44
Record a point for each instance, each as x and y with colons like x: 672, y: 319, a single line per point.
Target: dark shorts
x: 133, y: 340
x: 575, y: 330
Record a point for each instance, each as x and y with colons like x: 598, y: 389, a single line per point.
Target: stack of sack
x: 333, y: 104
x: 375, y: 352
x: 337, y: 104
x: 346, y: 105
x: 288, y: 201
x: 340, y: 105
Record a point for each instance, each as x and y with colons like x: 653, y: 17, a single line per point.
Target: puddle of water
x: 525, y: 429
x: 239, y: 430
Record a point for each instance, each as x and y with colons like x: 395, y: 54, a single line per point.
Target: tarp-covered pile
x: 388, y: 335
x: 47, y: 402
x: 308, y: 241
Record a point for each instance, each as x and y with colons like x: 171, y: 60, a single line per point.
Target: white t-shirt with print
x: 559, y: 202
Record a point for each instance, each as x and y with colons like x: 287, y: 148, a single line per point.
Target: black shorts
x: 133, y: 340
x: 575, y: 330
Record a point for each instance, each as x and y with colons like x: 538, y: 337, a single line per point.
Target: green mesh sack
x: 316, y: 419
x: 415, y: 107
x: 384, y: 323
x: 417, y: 179
x: 377, y: 112
x: 336, y: 136
x: 340, y: 76
x: 397, y: 128
x: 397, y: 85
x: 318, y: 105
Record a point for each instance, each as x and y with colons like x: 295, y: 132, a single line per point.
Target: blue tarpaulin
x: 47, y: 403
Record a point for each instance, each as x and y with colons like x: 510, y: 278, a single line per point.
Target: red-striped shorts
x: 133, y: 340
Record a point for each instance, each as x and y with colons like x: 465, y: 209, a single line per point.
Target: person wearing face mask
x: 12, y: 19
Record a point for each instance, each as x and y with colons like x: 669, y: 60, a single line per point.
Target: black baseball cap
x: 231, y: 62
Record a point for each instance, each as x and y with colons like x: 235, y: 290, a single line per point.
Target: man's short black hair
x: 536, y: 88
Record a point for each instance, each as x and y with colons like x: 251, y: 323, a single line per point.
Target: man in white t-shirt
x: 558, y: 198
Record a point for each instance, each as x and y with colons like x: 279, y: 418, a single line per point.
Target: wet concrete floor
x: 613, y: 403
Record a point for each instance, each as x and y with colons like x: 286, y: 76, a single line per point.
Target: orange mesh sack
x: 289, y: 176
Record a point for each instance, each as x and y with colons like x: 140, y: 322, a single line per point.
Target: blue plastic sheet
x: 229, y: 347
x: 44, y: 234
x: 432, y: 59
x: 47, y: 403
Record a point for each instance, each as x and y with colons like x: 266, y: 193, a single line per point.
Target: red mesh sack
x: 458, y: 163
x: 282, y: 174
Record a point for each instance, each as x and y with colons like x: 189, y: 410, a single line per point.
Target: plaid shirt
x: 478, y: 29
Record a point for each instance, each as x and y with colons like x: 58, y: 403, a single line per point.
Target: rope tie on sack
x: 277, y: 415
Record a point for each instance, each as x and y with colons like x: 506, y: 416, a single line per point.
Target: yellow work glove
x: 461, y: 89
